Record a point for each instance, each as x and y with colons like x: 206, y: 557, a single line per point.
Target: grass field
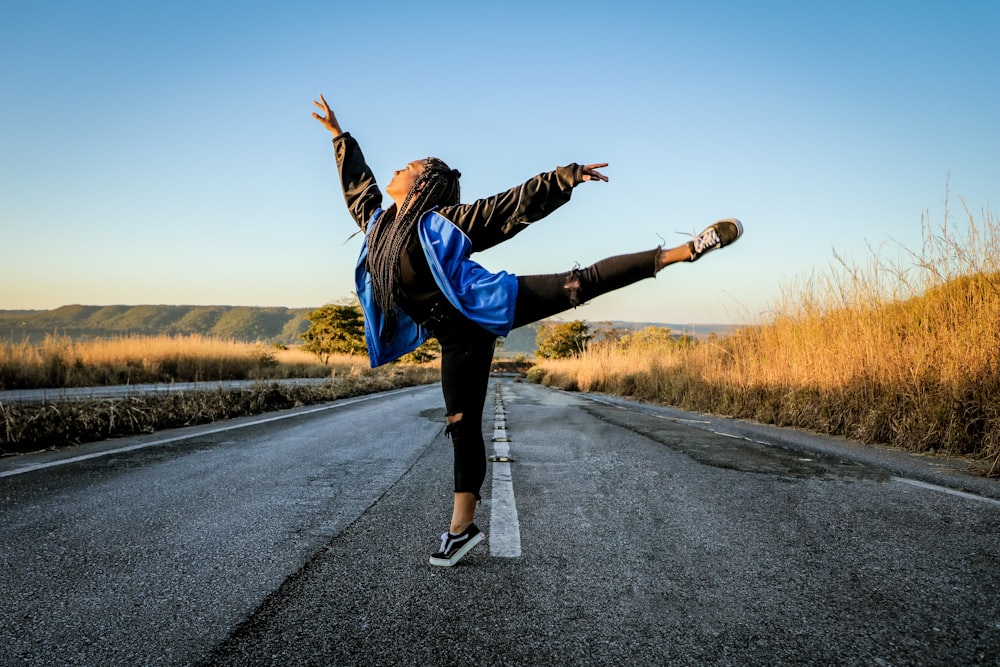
x: 60, y: 361
x: 901, y: 351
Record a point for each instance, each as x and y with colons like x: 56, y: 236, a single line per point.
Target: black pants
x: 467, y: 349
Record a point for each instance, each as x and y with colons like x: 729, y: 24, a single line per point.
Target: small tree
x: 335, y: 329
x: 651, y: 336
x: 560, y: 340
x: 429, y: 350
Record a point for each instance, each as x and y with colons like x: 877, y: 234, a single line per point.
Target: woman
x: 415, y: 279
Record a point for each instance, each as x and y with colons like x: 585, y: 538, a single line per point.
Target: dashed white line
x: 505, y: 529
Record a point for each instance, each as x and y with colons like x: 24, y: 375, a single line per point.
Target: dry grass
x: 903, y: 352
x: 60, y: 361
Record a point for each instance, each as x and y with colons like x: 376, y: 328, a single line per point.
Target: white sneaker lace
x: 708, y: 240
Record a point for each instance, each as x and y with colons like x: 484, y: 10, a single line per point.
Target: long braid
x: 436, y: 186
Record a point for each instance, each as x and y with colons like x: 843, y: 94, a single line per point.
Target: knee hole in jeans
x: 572, y: 287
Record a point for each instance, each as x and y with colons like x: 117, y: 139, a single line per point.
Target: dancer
x: 415, y: 279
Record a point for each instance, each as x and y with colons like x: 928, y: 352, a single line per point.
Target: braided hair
x: 436, y: 186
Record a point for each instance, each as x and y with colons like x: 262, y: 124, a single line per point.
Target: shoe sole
x: 458, y: 555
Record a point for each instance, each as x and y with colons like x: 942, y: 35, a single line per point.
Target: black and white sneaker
x: 454, y: 547
x: 717, y: 235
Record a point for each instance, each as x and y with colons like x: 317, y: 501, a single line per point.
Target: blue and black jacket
x: 447, y: 237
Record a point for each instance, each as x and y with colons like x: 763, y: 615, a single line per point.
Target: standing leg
x: 466, y: 358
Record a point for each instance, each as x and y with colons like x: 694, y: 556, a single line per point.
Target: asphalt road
x: 620, y: 534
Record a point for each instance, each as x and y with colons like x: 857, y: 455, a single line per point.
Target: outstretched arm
x: 489, y: 221
x: 356, y: 178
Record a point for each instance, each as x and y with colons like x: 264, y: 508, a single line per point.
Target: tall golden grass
x: 60, y: 361
x: 901, y: 351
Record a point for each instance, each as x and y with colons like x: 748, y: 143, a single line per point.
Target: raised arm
x: 356, y: 178
x: 489, y: 221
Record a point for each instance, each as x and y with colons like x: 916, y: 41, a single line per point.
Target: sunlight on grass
x: 60, y: 361
x: 903, y: 351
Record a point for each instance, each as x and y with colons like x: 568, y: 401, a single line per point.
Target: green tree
x: 557, y: 340
x: 335, y: 329
x: 653, y: 337
x: 429, y: 350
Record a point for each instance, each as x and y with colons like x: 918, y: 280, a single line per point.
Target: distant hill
x: 243, y: 323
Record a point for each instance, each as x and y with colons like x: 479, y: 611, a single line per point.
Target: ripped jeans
x: 467, y: 348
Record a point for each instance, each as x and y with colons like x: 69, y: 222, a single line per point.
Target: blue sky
x: 164, y: 152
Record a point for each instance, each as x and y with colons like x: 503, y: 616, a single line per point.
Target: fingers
x: 324, y: 107
x: 590, y: 172
x: 322, y: 104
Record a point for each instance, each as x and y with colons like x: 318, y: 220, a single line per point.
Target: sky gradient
x: 163, y: 153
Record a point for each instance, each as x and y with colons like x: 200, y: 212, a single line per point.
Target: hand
x: 330, y: 120
x: 590, y: 172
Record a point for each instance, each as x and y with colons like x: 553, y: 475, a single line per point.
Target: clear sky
x: 164, y: 153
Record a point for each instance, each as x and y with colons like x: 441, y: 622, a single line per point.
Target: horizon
x: 556, y: 318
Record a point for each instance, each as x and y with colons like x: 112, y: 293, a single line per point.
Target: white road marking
x: 221, y: 429
x: 944, y: 489
x: 505, y: 529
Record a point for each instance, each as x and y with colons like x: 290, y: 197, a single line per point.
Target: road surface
x: 617, y: 534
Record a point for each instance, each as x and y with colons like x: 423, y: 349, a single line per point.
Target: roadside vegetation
x: 901, y: 351
x: 26, y: 427
x: 61, y: 362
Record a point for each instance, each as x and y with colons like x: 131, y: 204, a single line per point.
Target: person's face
x: 403, y: 180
